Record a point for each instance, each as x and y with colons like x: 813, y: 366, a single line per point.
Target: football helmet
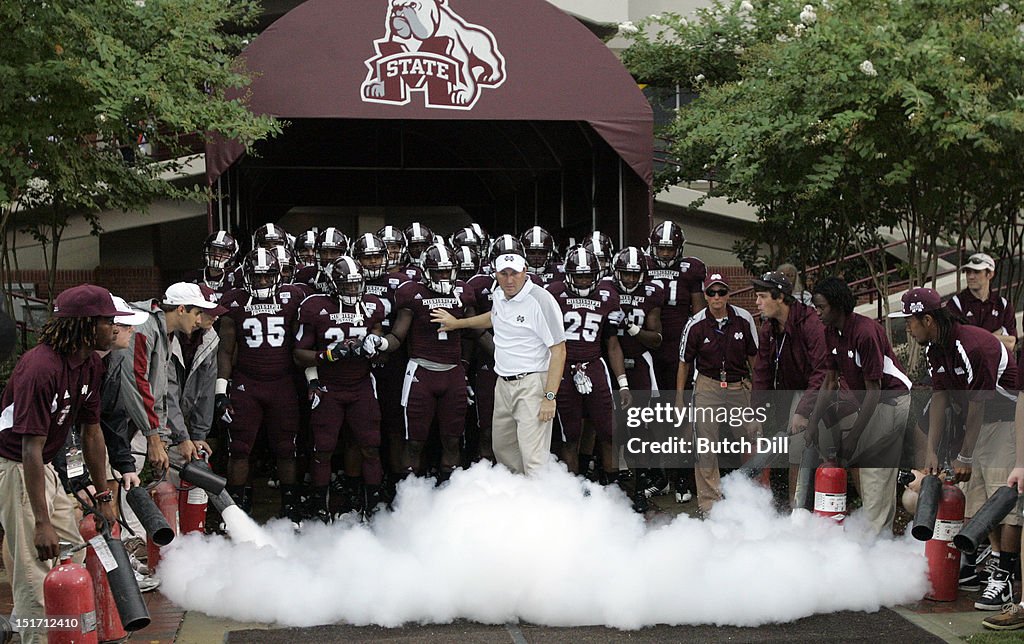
x: 485, y: 239
x: 261, y: 273
x: 305, y: 248
x: 394, y: 241
x: 465, y: 237
x: 286, y: 260
x: 630, y: 269
x: 269, y: 235
x: 539, y: 246
x: 581, y: 271
x: 439, y: 269
x: 667, y: 242
x: 330, y: 245
x: 372, y: 255
x: 417, y: 238
x: 347, y: 277
x: 602, y: 247
x: 468, y: 261
x: 219, y: 250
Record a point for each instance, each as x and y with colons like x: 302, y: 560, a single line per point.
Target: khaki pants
x: 19, y: 534
x: 709, y: 393
x: 881, y: 443
x: 521, y: 442
x: 994, y: 455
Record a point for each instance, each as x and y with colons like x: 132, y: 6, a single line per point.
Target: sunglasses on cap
x: 720, y: 292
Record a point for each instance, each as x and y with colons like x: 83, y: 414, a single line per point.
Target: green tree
x: 853, y: 116
x: 92, y: 89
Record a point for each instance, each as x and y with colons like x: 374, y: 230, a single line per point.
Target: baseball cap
x: 128, y: 315
x: 509, y: 260
x: 187, y: 294
x: 211, y: 296
x: 715, y: 278
x: 774, y: 279
x: 979, y: 262
x: 85, y: 301
x: 918, y: 300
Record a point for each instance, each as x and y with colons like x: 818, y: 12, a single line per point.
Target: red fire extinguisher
x: 165, y: 496
x: 108, y: 620
x: 943, y: 557
x: 68, y: 597
x: 192, y: 504
x: 830, y: 490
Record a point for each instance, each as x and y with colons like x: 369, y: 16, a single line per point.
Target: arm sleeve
x: 114, y: 422
x: 1009, y: 319
x: 549, y: 325
x: 137, y: 391
x: 201, y: 416
x: 175, y: 419
x: 817, y: 363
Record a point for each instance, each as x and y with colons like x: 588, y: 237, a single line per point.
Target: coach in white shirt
x: 529, y: 355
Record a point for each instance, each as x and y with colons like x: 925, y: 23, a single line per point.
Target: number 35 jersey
x: 585, y: 319
x: 263, y: 332
x: 323, y: 321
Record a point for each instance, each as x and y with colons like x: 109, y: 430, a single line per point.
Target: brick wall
x: 131, y: 283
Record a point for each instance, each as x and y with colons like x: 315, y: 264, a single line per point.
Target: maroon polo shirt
x: 976, y: 364
x: 792, y: 358
x: 994, y: 314
x: 47, y: 395
x: 716, y: 346
x: 861, y: 352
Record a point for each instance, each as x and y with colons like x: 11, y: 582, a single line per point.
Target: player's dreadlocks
x: 69, y: 335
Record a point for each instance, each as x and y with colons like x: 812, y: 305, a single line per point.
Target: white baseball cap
x: 979, y: 262
x: 509, y: 260
x: 132, y: 317
x: 186, y: 294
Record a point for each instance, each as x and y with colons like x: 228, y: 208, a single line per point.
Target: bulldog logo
x: 429, y: 48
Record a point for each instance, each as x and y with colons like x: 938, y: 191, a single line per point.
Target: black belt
x: 518, y: 376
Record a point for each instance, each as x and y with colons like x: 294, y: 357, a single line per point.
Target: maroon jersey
x: 423, y: 339
x: 994, y: 314
x: 720, y: 349
x: 637, y: 306
x: 324, y: 321
x: 263, y: 332
x: 976, y: 366
x: 679, y: 283
x: 861, y: 352
x: 313, y: 279
x: 585, y: 318
x: 231, y: 279
x: 413, y: 272
x: 384, y: 288
x: 553, y: 273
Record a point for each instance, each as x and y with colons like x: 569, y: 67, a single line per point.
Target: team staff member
x: 970, y: 367
x: 791, y: 357
x: 980, y: 306
x: 721, y: 342
x: 529, y: 356
x: 54, y: 387
x: 860, y: 356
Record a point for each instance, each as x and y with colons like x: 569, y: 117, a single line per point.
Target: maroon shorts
x: 573, y: 406
x: 428, y: 393
x: 389, y: 393
x: 353, y: 407
x: 486, y: 380
x: 641, y: 374
x: 262, y: 404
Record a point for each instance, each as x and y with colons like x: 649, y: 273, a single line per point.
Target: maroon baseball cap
x: 212, y: 296
x: 85, y: 301
x: 918, y: 300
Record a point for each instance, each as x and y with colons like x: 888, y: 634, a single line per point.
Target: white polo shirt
x: 524, y: 329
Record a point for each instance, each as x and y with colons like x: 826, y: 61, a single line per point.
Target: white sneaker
x: 146, y: 582
x: 137, y: 565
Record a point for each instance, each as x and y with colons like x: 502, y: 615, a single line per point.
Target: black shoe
x: 969, y: 579
x: 996, y: 593
x: 373, y: 498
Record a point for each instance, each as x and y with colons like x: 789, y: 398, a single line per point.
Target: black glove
x: 222, y: 408
x: 313, y: 391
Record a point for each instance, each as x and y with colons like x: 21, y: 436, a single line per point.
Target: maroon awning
x: 533, y: 62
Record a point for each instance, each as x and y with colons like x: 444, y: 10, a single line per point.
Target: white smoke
x: 492, y: 547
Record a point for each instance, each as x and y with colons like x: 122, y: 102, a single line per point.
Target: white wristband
x: 623, y: 382
x: 384, y: 344
x: 220, y: 386
x: 966, y: 460
x: 312, y: 374
x: 633, y: 329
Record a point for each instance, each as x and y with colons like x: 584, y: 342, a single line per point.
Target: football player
x: 219, y: 271
x: 330, y: 245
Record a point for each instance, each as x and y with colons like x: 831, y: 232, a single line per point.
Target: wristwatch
x: 550, y: 395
